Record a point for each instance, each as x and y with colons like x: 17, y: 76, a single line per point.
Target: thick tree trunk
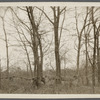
x: 35, y: 66
x: 57, y: 56
x: 35, y: 44
x: 41, y: 55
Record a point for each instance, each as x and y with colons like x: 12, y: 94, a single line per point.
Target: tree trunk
x: 7, y: 54
x: 41, y: 55
x: 27, y: 70
x: 86, y: 67
x: 78, y: 57
x: 29, y: 62
x: 33, y: 50
x: 79, y: 41
x: 35, y: 43
x: 57, y: 56
x: 94, y: 51
x: 99, y: 66
x: 98, y: 55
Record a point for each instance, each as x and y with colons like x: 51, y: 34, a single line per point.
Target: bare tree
x: 87, y: 31
x: 28, y: 58
x: 36, y: 42
x: 57, y: 11
x: 24, y: 45
x: 7, y: 51
x: 94, y: 49
x: 79, y: 33
x: 98, y: 54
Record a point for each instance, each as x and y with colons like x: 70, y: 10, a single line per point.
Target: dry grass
x: 25, y: 87
x: 22, y: 86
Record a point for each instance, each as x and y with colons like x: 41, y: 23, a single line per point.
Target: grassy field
x: 25, y: 87
x: 69, y: 84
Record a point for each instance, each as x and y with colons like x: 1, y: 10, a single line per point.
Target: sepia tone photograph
x: 49, y: 49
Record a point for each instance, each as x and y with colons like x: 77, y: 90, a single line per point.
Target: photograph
x: 49, y: 48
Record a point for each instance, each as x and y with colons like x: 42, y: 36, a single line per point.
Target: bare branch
x: 45, y: 15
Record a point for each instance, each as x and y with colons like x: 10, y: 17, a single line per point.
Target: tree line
x: 31, y: 36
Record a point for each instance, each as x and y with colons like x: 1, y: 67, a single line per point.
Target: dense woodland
x: 50, y: 50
